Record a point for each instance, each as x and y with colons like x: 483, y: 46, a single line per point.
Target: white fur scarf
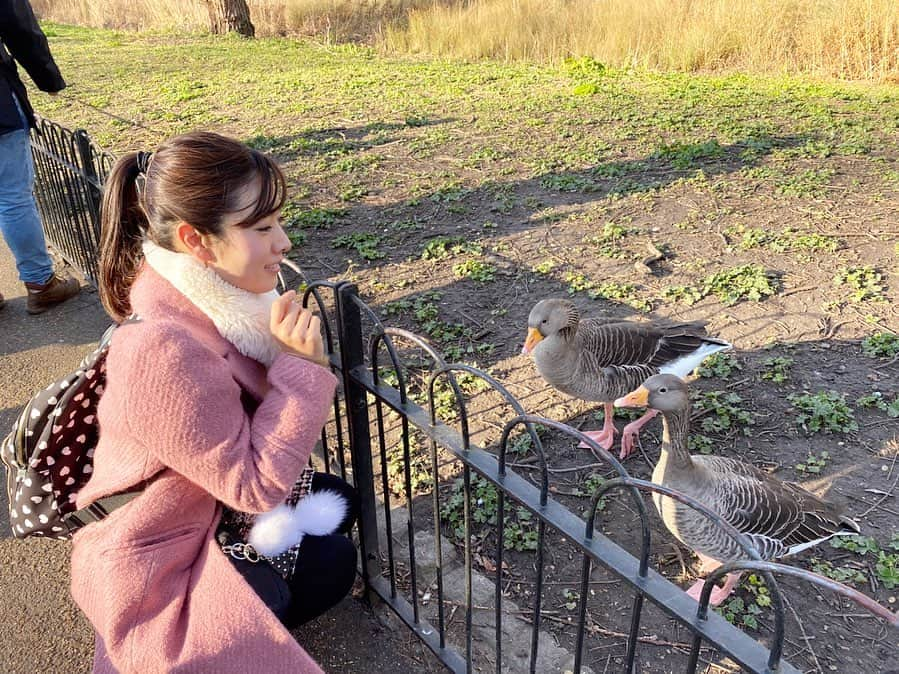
x: 240, y: 316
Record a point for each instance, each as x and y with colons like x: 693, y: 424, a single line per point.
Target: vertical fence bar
x: 352, y: 355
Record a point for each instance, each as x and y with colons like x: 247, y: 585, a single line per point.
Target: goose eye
x: 663, y: 390
x: 543, y: 321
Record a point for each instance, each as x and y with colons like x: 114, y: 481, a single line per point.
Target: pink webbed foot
x: 604, y: 438
x: 631, y: 431
x: 719, y: 594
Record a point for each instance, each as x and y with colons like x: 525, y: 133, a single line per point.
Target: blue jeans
x: 19, y: 219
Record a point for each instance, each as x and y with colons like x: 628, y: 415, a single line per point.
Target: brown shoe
x: 42, y: 296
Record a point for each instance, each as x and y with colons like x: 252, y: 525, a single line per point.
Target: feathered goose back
x: 600, y: 360
x: 780, y: 518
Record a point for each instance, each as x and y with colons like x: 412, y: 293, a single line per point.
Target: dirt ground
x: 808, y: 329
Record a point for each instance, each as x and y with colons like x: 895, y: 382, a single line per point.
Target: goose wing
x: 618, y: 344
x: 781, y: 518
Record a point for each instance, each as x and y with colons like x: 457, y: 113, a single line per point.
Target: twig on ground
x: 884, y: 497
x: 808, y: 642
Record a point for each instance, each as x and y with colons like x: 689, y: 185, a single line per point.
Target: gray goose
x: 600, y: 360
x: 780, y: 518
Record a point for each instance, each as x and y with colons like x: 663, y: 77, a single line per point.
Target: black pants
x: 324, y: 572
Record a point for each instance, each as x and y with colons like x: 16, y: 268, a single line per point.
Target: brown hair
x: 195, y: 178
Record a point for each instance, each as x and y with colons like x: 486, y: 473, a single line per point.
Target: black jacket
x: 22, y: 40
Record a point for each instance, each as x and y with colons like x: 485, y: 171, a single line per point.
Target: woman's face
x: 250, y: 257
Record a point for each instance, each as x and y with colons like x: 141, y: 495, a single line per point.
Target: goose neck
x: 675, y: 430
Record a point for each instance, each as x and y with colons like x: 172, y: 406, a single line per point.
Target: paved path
x: 42, y: 629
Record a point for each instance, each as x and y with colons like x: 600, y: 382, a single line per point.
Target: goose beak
x: 533, y: 338
x: 638, y: 398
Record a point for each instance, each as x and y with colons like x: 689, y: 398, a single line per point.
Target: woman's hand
x: 296, y: 329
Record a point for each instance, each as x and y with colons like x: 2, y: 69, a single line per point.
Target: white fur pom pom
x: 275, y: 531
x: 319, y: 514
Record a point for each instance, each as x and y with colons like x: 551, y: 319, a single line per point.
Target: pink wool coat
x: 150, y: 577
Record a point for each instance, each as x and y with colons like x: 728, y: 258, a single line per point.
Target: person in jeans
x: 22, y: 41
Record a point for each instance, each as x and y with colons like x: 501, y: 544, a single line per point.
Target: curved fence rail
x: 367, y: 392
x: 376, y: 412
x: 69, y: 174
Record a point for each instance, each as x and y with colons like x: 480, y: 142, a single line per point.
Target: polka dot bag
x: 48, y: 454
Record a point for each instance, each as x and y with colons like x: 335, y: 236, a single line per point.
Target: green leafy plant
x: 364, y: 243
x: 881, y: 344
x: 519, y: 530
x: 721, y: 412
x: 420, y: 477
x: 841, y: 574
x: 790, y: 239
x: 442, y: 247
x: 807, y: 183
x: 568, y: 182
x: 688, y: 295
x: 878, y: 401
x: 721, y: 365
x: 886, y: 564
x: 777, y: 369
x: 865, y: 283
x: 545, y: 267
x: 608, y: 241
x: 619, y: 292
x: 684, y: 155
x: 745, y: 612
x: 697, y: 442
x: 823, y: 411
x: 813, y: 463
x: 748, y: 281
x: 295, y: 215
x: 476, y: 270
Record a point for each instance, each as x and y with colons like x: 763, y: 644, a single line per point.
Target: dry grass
x: 332, y: 20
x: 841, y: 38
x: 851, y: 39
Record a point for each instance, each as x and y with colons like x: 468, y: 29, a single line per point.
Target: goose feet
x: 631, y: 431
x: 719, y: 594
x: 604, y: 438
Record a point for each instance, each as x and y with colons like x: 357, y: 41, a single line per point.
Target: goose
x: 600, y: 360
x: 779, y: 518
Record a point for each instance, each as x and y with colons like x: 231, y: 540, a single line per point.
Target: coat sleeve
x: 185, y: 407
x: 27, y: 44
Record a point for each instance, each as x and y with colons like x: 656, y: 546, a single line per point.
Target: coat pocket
x: 157, y: 540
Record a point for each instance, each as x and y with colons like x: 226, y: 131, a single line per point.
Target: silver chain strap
x: 243, y: 551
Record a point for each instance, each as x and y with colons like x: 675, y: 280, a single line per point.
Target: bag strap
x: 98, y: 510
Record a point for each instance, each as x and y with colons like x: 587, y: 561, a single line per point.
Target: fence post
x: 92, y: 180
x: 352, y: 355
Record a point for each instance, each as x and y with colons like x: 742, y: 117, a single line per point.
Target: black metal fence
x: 388, y: 419
x: 69, y: 174
x: 358, y: 341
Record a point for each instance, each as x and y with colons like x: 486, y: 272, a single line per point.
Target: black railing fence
x: 69, y: 174
x: 401, y: 433
x: 376, y: 391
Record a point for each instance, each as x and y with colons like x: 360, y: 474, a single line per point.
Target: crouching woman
x: 214, y: 399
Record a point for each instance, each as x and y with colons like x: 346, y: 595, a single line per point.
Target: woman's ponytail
x: 122, y: 226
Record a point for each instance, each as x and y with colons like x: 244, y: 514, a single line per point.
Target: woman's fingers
x: 297, y: 329
x: 280, y: 307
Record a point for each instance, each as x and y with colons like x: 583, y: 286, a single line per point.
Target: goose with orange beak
x: 779, y: 518
x: 601, y: 360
